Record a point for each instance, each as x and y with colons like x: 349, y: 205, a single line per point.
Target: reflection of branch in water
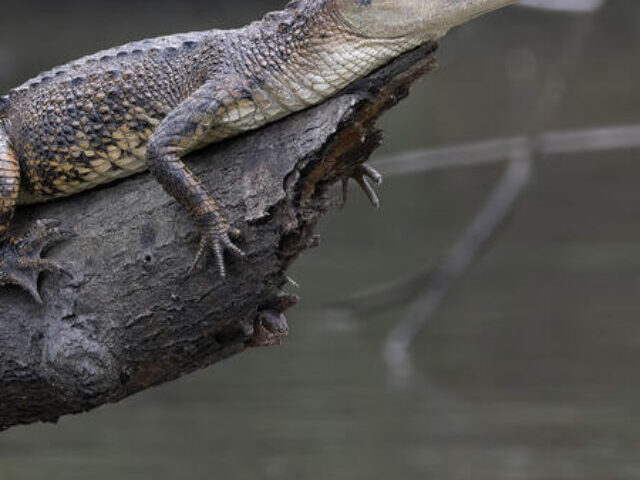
x: 400, y: 291
x: 498, y: 150
x: 390, y: 294
x: 494, y: 212
x: 456, y: 263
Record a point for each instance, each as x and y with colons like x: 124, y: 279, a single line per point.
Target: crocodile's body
x: 149, y: 103
x: 89, y: 122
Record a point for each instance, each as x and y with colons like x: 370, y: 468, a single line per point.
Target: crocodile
x: 147, y: 104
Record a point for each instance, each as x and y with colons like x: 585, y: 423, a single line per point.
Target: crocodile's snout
x: 428, y: 19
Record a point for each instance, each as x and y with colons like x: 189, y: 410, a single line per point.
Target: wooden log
x: 132, y: 317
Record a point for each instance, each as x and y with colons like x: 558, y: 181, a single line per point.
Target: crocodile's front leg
x: 186, y: 128
x: 20, y: 258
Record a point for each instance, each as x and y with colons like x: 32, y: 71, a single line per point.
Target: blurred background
x: 528, y: 367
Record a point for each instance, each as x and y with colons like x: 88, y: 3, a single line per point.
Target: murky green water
x: 531, y: 368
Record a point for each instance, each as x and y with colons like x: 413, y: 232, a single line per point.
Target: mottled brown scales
x: 147, y: 104
x: 9, y: 184
x: 72, y: 133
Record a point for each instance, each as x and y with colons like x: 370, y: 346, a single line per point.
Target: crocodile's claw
x: 217, y: 237
x: 20, y: 258
x: 362, y: 174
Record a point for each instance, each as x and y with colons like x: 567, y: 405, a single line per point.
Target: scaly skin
x: 147, y: 104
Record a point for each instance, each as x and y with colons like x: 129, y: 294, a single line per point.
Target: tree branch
x: 132, y: 318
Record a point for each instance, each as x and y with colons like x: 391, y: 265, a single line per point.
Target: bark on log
x: 132, y: 318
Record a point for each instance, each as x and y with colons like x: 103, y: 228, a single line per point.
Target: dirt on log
x: 132, y: 317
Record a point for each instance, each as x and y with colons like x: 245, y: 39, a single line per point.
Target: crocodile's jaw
x: 428, y: 19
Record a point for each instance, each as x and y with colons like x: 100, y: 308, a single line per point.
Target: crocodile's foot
x: 219, y: 239
x: 362, y: 174
x: 20, y: 258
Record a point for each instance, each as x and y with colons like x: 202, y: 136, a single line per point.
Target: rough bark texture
x: 132, y: 318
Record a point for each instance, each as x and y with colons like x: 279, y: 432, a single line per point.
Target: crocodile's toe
x: 362, y: 174
x: 21, y: 261
x: 218, y: 239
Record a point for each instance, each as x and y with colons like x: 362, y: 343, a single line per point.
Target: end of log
x: 132, y: 318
